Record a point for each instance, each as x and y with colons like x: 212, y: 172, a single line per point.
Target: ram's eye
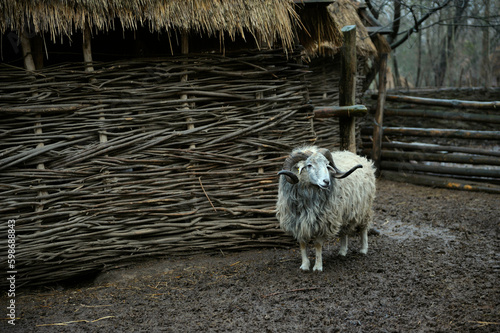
x: 309, y: 166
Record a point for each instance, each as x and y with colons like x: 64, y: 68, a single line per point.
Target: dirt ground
x: 434, y: 267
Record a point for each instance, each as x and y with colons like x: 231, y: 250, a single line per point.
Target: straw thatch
x: 345, y: 12
x: 321, y: 32
x: 268, y: 20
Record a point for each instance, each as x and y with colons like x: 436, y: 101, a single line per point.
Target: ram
x: 317, y: 201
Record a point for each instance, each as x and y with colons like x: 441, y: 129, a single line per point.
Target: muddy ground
x: 434, y: 267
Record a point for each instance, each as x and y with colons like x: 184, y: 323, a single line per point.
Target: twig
x: 93, y: 306
x: 290, y: 291
x: 107, y: 317
x: 483, y: 323
x: 75, y: 321
x: 199, y: 178
x: 65, y: 323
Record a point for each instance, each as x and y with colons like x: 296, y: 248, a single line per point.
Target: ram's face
x: 315, y: 170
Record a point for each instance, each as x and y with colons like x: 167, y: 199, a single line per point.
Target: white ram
x: 316, y: 201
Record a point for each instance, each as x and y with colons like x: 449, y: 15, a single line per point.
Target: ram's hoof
x: 305, y: 267
x: 318, y: 268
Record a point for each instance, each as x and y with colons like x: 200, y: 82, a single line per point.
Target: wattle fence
x: 148, y: 157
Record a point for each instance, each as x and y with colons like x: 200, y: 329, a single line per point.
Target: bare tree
x: 449, y: 42
x: 485, y: 62
x: 397, y: 38
x: 417, y: 21
x: 433, y: 36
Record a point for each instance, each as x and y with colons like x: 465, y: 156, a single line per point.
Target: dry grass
x: 267, y: 20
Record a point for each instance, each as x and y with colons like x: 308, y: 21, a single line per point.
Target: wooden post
x: 379, y: 113
x: 89, y: 68
x: 259, y: 95
x: 29, y: 64
x: 87, y: 48
x: 347, y: 88
x: 184, y: 78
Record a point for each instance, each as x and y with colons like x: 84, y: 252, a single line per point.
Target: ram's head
x: 317, y: 168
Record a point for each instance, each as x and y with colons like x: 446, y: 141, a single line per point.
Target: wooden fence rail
x: 440, y: 132
x: 448, y: 115
x: 455, y: 103
x: 433, y: 147
x: 424, y: 155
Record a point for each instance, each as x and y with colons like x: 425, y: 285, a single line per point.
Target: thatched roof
x: 345, y: 12
x: 337, y: 15
x: 266, y: 20
x: 316, y: 25
x: 320, y: 29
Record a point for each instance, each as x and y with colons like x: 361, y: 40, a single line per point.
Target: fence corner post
x: 379, y: 113
x: 347, y: 88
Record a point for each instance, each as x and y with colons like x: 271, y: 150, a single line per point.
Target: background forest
x: 452, y: 43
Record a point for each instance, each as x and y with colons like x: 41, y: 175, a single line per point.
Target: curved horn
x: 291, y: 177
x: 294, y: 158
x: 338, y: 174
x: 289, y: 163
x: 328, y: 156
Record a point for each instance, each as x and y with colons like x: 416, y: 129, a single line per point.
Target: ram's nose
x: 326, y: 182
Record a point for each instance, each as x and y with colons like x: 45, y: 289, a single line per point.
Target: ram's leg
x: 344, y: 240
x: 364, y: 241
x: 318, y: 245
x: 305, y: 260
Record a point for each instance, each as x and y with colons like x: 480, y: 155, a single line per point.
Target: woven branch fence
x: 148, y: 157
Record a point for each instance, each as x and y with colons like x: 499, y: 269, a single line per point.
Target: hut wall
x: 156, y: 186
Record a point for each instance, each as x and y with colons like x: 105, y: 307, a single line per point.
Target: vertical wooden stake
x: 89, y: 68
x: 347, y: 88
x: 87, y: 48
x: 184, y: 78
x: 379, y: 113
x: 259, y: 95
x: 29, y: 64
